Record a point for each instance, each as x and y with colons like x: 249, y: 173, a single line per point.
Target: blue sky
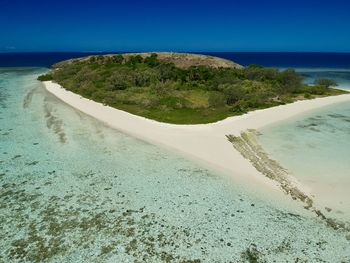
x: 217, y: 25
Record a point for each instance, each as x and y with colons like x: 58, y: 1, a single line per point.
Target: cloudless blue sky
x: 144, y: 25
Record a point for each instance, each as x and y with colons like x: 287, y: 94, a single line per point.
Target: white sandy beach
x: 206, y: 143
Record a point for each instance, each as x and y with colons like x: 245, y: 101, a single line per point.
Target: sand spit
x: 207, y: 143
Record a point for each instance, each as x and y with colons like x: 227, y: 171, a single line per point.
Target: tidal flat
x: 314, y: 147
x: 73, y: 190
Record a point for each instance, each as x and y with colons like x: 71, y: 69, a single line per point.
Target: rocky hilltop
x: 180, y: 60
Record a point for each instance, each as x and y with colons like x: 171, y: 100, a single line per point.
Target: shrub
x: 119, y: 80
x: 141, y: 79
x: 87, y: 89
x: 92, y: 59
x: 45, y: 77
x: 239, y: 107
x: 259, y: 73
x: 232, y: 92
x: 316, y: 90
x: 166, y: 71
x: 216, y: 99
x: 118, y: 59
x: 100, y: 59
x: 152, y: 60
x: 163, y: 88
x: 307, y: 95
x: 133, y: 60
x: 197, y: 73
x: 323, y: 82
x: 290, y: 81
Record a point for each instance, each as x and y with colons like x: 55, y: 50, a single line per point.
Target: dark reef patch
x: 336, y: 115
x: 104, y: 198
x: 32, y: 163
x: 251, y: 254
x: 48, y: 226
x: 54, y: 123
x: 44, y: 234
x: 28, y: 98
x: 3, y: 98
x: 16, y: 156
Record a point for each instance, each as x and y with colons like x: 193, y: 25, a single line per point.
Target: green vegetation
x: 325, y: 83
x: 154, y: 88
x: 46, y: 77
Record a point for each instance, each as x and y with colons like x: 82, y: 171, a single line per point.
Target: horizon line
x: 182, y: 51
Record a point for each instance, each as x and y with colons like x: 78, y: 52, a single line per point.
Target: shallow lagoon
x: 341, y: 76
x: 315, y: 148
x: 74, y: 190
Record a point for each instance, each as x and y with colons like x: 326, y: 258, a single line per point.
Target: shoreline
x: 205, y: 143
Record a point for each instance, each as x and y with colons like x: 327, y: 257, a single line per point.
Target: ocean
x: 311, y: 65
x: 268, y: 59
x: 75, y: 190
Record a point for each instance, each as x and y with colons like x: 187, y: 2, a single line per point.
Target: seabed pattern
x: 73, y: 190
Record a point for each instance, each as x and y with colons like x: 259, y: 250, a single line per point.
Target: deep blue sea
x: 312, y: 66
x: 269, y: 59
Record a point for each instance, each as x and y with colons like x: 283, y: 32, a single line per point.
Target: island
x: 205, y: 108
x: 182, y: 88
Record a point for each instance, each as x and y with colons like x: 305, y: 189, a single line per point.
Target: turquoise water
x: 341, y: 76
x: 315, y: 148
x: 74, y: 190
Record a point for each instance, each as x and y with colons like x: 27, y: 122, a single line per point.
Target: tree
x: 118, y: 59
x: 163, y: 88
x: 45, y: 77
x: 133, y: 60
x: 326, y: 83
x: 100, y: 59
x: 233, y: 93
x: 152, y: 60
x: 196, y: 73
x: 166, y: 71
x: 260, y: 73
x: 118, y: 81
x: 92, y: 59
x: 141, y: 79
x: 290, y: 81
